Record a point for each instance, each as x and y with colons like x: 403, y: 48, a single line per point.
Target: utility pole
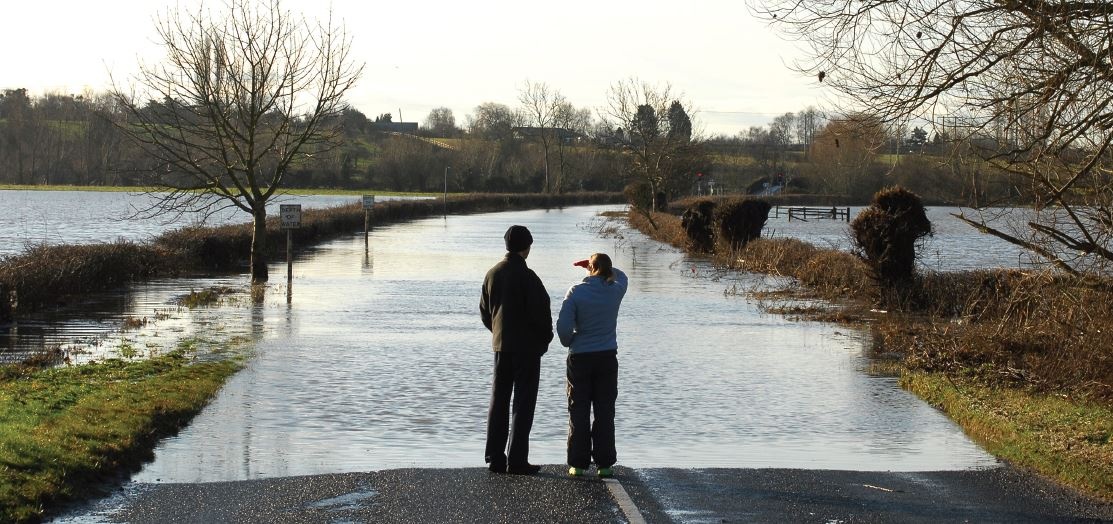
x: 446, y: 168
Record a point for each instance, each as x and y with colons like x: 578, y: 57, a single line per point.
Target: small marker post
x: 291, y: 220
x: 368, y: 210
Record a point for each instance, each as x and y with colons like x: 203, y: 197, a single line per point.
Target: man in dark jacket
x: 515, y: 308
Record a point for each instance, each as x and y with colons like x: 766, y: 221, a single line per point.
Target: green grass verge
x: 64, y: 430
x: 1069, y: 440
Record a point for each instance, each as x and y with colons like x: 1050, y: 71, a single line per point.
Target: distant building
x: 409, y: 128
x: 567, y: 135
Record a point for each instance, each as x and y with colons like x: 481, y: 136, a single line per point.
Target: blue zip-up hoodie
x: 589, y: 315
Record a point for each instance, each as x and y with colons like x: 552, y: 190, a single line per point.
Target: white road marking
x: 624, y: 502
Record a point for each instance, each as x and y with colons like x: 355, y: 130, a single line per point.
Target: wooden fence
x: 809, y: 213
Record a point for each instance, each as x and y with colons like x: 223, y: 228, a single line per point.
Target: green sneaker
x: 576, y: 472
x: 606, y: 473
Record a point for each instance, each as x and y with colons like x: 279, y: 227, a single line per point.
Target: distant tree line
x: 855, y: 155
x: 61, y: 139
x: 544, y: 143
x: 77, y: 140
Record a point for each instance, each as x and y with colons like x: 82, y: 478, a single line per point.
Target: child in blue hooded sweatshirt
x: 587, y: 326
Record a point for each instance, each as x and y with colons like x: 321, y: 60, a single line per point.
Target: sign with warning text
x: 291, y: 215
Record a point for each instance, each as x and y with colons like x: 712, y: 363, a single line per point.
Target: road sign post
x: 291, y: 220
x: 368, y: 210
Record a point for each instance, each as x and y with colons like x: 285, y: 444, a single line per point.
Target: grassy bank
x: 1032, y: 349
x: 1059, y: 437
x: 45, y: 276
x: 64, y: 431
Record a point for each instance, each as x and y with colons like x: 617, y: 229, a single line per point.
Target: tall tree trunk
x: 546, y: 188
x: 259, y: 245
x: 19, y: 161
x: 558, y: 186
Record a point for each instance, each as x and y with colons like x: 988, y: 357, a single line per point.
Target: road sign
x: 291, y: 215
x: 368, y: 201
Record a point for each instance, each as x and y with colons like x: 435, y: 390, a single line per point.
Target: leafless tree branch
x: 243, y: 94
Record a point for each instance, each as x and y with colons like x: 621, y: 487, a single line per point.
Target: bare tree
x: 541, y: 106
x: 781, y: 132
x: 1025, y: 85
x: 657, y: 132
x: 808, y: 123
x: 245, y: 93
x: 847, y: 147
x: 493, y: 121
x: 569, y: 125
x: 406, y: 164
x: 441, y: 122
x: 16, y: 144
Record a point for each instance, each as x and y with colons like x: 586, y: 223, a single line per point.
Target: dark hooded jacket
x: 515, y: 308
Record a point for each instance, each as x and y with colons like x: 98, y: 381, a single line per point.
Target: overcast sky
x: 421, y: 55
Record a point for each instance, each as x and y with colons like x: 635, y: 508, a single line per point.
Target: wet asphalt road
x: 661, y: 495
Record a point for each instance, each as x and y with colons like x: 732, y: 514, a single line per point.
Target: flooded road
x: 380, y: 361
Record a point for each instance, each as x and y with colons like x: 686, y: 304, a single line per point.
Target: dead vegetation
x: 1038, y: 330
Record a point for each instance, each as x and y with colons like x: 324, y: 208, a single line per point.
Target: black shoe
x: 526, y: 469
x: 496, y: 467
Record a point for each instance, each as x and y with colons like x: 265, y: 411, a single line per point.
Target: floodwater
x: 379, y: 360
x: 953, y: 246
x: 98, y: 327
x: 81, y: 217
x: 141, y: 321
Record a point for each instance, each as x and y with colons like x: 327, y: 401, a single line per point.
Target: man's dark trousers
x: 520, y: 373
x: 592, y: 386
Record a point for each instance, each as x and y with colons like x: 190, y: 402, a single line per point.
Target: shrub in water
x: 739, y: 221
x: 697, y: 222
x: 886, y: 233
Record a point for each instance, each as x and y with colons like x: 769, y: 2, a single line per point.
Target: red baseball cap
x: 582, y: 263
